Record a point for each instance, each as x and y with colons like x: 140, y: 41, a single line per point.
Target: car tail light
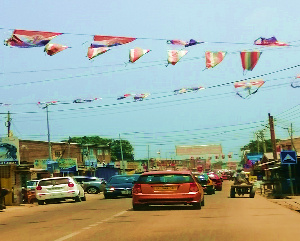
x: 137, y: 188
x: 70, y: 184
x: 38, y: 188
x: 193, y: 187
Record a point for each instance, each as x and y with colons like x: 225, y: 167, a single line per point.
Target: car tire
x: 77, y: 199
x: 232, y: 192
x: 107, y: 196
x: 202, y: 202
x: 83, y: 198
x: 138, y: 207
x: 40, y: 202
x: 252, y: 193
x: 197, y: 206
x: 92, y: 190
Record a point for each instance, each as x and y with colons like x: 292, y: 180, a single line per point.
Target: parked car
x: 31, y: 184
x: 91, y: 185
x: 206, y: 183
x: 167, y: 187
x: 120, y: 185
x: 217, y: 181
x: 59, y: 189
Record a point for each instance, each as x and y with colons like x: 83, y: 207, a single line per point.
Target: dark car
x: 207, y: 184
x: 91, y: 185
x: 120, y: 185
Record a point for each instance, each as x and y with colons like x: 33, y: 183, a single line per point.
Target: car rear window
x: 122, y: 179
x: 54, y: 182
x: 165, y: 178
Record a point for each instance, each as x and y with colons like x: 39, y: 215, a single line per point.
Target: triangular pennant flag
x: 136, y: 53
x: 213, y: 58
x: 29, y: 39
x: 52, y: 49
x: 246, y: 88
x: 175, y: 55
x: 110, y: 41
x: 250, y: 59
x: 94, y: 52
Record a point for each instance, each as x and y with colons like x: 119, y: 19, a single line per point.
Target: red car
x: 167, y: 187
x: 217, y: 180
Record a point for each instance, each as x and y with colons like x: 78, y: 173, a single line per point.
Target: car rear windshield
x: 122, y: 179
x: 31, y: 183
x: 54, y: 181
x: 165, y: 178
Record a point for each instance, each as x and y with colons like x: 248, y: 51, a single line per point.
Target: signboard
x: 198, y: 150
x: 68, y: 164
x: 288, y: 157
x: 91, y: 163
x: 9, y: 150
x: 46, y: 165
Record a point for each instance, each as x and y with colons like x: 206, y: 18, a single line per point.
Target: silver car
x: 91, y: 185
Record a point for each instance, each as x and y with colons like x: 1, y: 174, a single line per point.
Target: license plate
x: 125, y: 192
x: 168, y: 188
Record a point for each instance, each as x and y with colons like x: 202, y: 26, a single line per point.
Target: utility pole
x: 123, y: 166
x: 273, y: 140
x: 48, y: 128
x: 8, y: 123
x: 148, y: 164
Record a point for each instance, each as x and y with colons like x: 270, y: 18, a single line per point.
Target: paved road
x: 222, y: 218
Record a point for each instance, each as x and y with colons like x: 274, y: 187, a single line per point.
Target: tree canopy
x: 115, y: 146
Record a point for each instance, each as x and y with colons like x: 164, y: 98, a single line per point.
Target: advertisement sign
x: 9, y: 151
x: 92, y: 163
x: 68, y: 164
x: 198, y: 150
x: 46, y: 165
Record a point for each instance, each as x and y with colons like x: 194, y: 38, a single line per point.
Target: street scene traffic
x: 149, y: 120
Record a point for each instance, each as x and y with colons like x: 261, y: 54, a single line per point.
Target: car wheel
x: 40, y: 202
x: 202, y: 202
x: 106, y: 196
x: 197, y: 205
x: 83, y: 198
x: 232, y: 192
x: 92, y: 190
x: 138, y: 207
x: 77, y: 199
x: 252, y: 193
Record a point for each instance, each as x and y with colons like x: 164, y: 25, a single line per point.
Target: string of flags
x: 102, y: 44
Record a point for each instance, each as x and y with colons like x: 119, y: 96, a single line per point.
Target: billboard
x: 198, y: 150
x: 9, y: 150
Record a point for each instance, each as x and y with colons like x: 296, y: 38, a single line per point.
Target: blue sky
x: 215, y: 115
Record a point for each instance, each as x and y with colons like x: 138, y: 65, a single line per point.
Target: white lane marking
x: 119, y: 214
x: 92, y: 225
x: 67, y: 236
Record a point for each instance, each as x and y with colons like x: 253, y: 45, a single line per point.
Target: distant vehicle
x: 206, y: 183
x: 167, y: 187
x: 59, y: 189
x: 91, y: 185
x: 217, y: 181
x: 31, y: 184
x: 120, y: 185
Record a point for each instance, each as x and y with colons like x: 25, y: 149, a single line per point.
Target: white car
x: 58, y: 189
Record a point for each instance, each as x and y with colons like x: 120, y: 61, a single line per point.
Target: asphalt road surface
x: 222, y: 218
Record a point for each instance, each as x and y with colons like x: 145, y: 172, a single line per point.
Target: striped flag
x: 250, y: 59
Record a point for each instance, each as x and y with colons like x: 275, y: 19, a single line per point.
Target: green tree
x: 115, y: 146
x: 253, y: 146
